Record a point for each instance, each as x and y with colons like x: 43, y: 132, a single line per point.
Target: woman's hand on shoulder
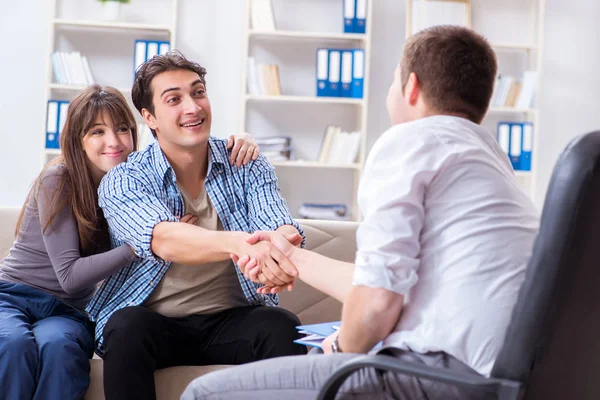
x: 243, y: 149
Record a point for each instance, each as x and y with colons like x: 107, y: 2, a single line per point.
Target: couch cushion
x: 170, y: 382
x: 8, y: 219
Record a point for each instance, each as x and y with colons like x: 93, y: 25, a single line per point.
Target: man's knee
x: 278, y: 327
x: 129, y: 326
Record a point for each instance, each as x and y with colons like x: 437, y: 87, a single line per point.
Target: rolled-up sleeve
x: 132, y: 210
x: 391, y: 197
x: 267, y: 209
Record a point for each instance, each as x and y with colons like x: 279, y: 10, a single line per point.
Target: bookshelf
x: 292, y: 46
x: 109, y: 45
x: 518, y: 49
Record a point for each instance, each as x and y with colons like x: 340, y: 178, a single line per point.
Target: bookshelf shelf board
x: 52, y: 152
x: 111, y: 25
x: 78, y: 88
x: 513, y: 46
x: 511, y: 110
x: 305, y: 99
x: 313, y: 164
x: 307, y: 35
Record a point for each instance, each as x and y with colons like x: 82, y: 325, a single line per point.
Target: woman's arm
x: 61, y: 239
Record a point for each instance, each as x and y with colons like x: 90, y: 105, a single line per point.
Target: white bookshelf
x: 74, y: 27
x: 286, y: 35
x: 290, y: 104
x: 517, y: 48
x: 306, y: 99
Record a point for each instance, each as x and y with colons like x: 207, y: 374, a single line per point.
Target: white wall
x: 211, y: 32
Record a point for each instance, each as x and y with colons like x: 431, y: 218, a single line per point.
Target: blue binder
x: 335, y: 66
x: 526, y: 146
x: 140, y: 54
x: 322, y: 72
x: 349, y: 15
x: 52, y: 125
x: 503, y: 137
x: 360, y: 21
x: 56, y: 116
x: 346, y: 77
x: 516, y: 138
x: 358, y: 73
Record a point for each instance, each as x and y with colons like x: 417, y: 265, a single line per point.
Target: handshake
x: 265, y: 258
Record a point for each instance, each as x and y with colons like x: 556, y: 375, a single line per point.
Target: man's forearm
x: 369, y: 315
x: 330, y: 276
x: 190, y: 244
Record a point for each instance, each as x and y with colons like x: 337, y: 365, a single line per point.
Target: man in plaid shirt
x: 183, y: 301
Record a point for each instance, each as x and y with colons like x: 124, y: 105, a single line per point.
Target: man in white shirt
x: 442, y: 249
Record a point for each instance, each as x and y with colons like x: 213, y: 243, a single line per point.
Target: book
x: 316, y: 333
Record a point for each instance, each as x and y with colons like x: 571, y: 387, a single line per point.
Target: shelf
x: 306, y: 99
x: 308, y: 35
x: 513, y: 46
x: 511, y: 110
x: 313, y: 164
x: 53, y: 152
x: 112, y: 25
x: 78, y: 88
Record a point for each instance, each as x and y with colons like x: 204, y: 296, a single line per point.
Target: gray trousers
x: 301, y: 377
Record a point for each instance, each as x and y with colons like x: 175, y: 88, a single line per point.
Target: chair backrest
x: 553, y: 340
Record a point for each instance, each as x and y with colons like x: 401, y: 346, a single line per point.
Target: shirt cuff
x: 279, y: 222
x: 144, y: 245
x: 374, y: 272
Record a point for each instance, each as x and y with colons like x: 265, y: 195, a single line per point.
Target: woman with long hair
x: 62, y: 250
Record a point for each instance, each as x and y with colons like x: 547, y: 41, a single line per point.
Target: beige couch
x: 333, y: 239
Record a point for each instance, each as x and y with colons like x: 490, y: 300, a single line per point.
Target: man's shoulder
x: 138, y: 167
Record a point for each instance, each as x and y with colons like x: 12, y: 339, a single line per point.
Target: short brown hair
x: 141, y: 93
x: 456, y: 68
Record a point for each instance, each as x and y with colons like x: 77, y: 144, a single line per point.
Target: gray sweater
x: 50, y: 260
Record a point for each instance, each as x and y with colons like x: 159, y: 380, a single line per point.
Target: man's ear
x: 149, y: 118
x: 412, y: 89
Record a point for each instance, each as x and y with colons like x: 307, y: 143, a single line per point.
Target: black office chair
x: 552, y: 345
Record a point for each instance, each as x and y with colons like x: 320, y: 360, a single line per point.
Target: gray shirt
x: 50, y: 261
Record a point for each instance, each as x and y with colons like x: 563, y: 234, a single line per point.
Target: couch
x: 333, y: 239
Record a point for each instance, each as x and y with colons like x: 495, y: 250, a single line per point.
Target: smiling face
x: 182, y: 116
x: 106, y: 144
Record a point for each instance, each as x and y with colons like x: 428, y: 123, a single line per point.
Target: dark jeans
x: 139, y: 341
x: 45, y: 346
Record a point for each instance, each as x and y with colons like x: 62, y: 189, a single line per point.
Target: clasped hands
x: 265, y: 258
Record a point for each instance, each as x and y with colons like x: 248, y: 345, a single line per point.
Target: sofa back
x: 333, y: 239
x: 8, y: 223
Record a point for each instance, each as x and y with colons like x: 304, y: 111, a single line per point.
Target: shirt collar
x: 215, y: 157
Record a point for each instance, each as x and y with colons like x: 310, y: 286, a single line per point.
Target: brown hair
x: 76, y: 188
x: 141, y: 93
x: 456, y: 69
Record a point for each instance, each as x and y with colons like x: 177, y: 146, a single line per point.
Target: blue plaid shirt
x: 142, y: 192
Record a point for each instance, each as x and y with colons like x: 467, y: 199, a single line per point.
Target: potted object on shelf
x: 112, y: 8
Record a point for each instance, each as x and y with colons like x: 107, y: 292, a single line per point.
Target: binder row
x: 340, y: 72
x: 56, y: 115
x: 146, y: 49
x: 355, y: 16
x: 516, y: 139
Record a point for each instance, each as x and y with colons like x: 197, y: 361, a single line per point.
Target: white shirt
x: 447, y: 226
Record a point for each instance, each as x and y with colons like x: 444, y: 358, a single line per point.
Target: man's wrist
x: 236, y: 242
x: 335, y: 345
